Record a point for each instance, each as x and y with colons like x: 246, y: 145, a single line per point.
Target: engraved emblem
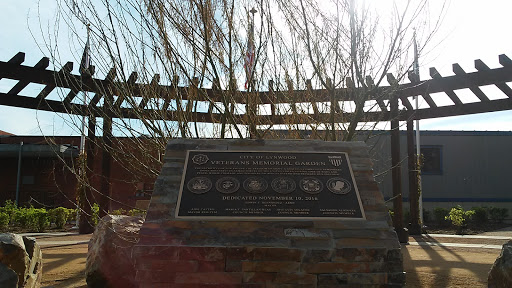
x: 339, y: 186
x: 311, y: 185
x: 200, y: 159
x: 283, y: 185
x: 227, y: 185
x: 255, y: 185
x: 199, y: 185
x: 335, y: 160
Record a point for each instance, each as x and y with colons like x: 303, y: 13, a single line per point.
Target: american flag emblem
x: 335, y: 160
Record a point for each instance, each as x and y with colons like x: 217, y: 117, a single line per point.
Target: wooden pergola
x: 386, y: 97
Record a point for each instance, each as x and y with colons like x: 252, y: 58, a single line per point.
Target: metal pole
x: 19, y: 176
x: 416, y: 67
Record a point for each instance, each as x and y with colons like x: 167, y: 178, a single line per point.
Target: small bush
x: 407, y: 216
x: 71, y: 215
x: 120, y: 211
x: 10, y: 209
x: 137, y: 212
x: 427, y: 216
x: 95, y: 209
x: 480, y: 216
x: 25, y: 218
x: 459, y: 217
x: 497, y: 215
x: 4, y: 221
x: 440, y: 215
x: 60, y: 216
x: 41, y: 219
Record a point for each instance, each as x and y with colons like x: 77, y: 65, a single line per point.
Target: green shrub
x: 42, y: 219
x: 4, y: 221
x: 407, y: 216
x: 10, y: 209
x: 25, y: 218
x: 60, y: 215
x: 71, y: 215
x: 440, y: 215
x: 498, y: 214
x: 459, y: 217
x: 427, y: 216
x: 95, y: 209
x: 137, y: 212
x: 480, y: 216
x: 120, y: 211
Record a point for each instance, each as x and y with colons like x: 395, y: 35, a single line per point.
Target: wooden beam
x: 396, y: 173
x: 41, y: 65
x: 435, y: 75
x: 393, y: 82
x: 414, y: 208
x: 111, y: 75
x: 152, y: 93
x: 126, y: 90
x: 482, y: 67
x: 504, y: 60
x: 85, y: 222
x: 480, y: 78
x: 477, y: 91
x: 106, y: 156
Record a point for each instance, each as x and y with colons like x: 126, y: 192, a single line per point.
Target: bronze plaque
x: 280, y: 185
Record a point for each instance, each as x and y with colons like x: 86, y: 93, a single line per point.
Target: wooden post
x: 415, y: 228
x: 106, y: 156
x: 85, y: 221
x: 272, y: 97
x: 333, y: 108
x: 396, y: 173
x: 250, y: 112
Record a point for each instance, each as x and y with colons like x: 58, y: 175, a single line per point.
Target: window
x: 432, y: 160
x: 27, y: 180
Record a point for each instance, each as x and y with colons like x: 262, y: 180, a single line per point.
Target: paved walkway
x: 502, y: 234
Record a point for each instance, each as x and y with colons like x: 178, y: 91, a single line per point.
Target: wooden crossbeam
x: 172, y: 91
x: 64, y: 79
x: 393, y: 82
x: 41, y: 65
x: 451, y: 94
x: 481, y: 66
x: 16, y: 59
x: 371, y: 86
x: 309, y: 88
x: 111, y: 75
x: 153, y: 86
x: 126, y: 89
x: 52, y: 85
x: 415, y: 79
x: 504, y: 60
x: 480, y: 78
x: 477, y: 91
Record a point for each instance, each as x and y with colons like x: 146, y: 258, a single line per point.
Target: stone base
x: 182, y: 266
x: 323, y: 253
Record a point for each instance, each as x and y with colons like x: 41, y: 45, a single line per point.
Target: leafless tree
x: 178, y: 48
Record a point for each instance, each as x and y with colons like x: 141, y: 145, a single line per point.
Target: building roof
x: 3, y: 133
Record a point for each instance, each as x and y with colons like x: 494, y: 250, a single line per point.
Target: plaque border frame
x: 260, y: 218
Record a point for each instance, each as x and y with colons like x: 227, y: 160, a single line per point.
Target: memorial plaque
x: 280, y: 185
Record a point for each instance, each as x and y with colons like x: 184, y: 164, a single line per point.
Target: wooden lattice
x: 13, y: 69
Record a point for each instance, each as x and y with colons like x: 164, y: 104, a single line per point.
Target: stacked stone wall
x: 299, y: 253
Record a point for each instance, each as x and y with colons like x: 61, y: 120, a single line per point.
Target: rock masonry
x: 265, y: 254
x: 21, y: 261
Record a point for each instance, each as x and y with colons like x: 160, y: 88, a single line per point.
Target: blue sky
x: 471, y: 30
